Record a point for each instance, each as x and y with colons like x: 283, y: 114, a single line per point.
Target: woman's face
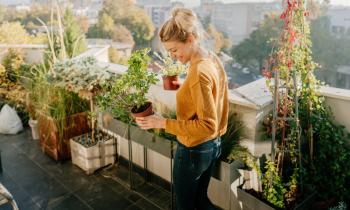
x: 180, y: 51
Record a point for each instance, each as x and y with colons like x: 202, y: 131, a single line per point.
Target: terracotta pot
x: 147, y: 110
x: 168, y: 82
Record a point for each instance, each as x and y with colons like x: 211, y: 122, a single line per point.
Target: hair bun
x: 182, y: 23
x: 175, y: 12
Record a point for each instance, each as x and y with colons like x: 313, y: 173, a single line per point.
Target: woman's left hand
x: 149, y: 122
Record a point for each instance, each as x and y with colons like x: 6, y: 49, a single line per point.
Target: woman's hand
x: 149, y: 122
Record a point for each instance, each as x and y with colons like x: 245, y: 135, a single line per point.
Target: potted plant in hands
x: 170, y: 71
x: 127, y: 94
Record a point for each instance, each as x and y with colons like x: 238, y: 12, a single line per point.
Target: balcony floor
x: 38, y: 182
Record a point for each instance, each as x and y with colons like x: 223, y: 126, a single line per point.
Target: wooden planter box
x: 50, y: 141
x: 94, y: 157
x: 224, y: 175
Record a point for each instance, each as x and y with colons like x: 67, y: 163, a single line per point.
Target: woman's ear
x: 190, y: 39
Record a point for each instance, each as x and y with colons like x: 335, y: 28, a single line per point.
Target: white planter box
x: 94, y: 157
x: 219, y: 190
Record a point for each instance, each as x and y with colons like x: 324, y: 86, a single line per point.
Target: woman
x: 201, y: 109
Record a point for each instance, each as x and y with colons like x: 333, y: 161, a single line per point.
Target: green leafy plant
x: 323, y: 150
x: 83, y: 77
x: 74, y: 38
x: 129, y: 91
x: 230, y: 140
x: 276, y: 190
x: 77, y: 75
x: 48, y: 99
x: 12, y: 63
x: 170, y: 67
x: 341, y: 206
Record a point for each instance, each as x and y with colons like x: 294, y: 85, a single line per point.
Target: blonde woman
x: 201, y: 109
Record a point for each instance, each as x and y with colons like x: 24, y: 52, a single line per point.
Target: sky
x: 192, y: 3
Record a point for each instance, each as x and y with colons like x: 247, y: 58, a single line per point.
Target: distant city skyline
x: 194, y: 3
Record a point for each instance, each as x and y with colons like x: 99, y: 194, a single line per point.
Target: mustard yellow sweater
x: 201, y: 104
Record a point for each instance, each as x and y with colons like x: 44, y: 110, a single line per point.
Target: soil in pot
x: 86, y: 139
x: 168, y: 83
x: 143, y: 111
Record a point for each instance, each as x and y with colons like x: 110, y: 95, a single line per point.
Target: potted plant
x: 61, y: 114
x: 231, y: 159
x: 170, y: 71
x: 33, y: 122
x: 127, y: 94
x: 93, y: 150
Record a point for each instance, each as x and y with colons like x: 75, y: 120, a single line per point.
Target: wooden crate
x: 93, y: 157
x: 51, y: 143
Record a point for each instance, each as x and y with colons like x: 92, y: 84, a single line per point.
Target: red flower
x: 267, y: 74
x: 283, y: 16
x: 306, y: 13
x: 292, y: 35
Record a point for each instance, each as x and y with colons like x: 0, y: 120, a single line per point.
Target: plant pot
x: 94, y: 156
x: 33, y: 124
x: 55, y: 145
x: 219, y: 191
x: 146, y: 110
x: 249, y: 201
x: 168, y: 82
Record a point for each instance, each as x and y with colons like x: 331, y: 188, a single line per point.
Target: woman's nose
x: 173, y: 56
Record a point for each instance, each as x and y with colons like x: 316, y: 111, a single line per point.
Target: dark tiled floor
x: 38, y: 182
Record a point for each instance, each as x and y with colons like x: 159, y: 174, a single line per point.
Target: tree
x: 74, y: 39
x: 103, y: 28
x: 106, y: 28
x: 122, y: 34
x: 13, y: 33
x: 30, y: 19
x: 134, y: 18
x: 141, y: 26
x: 117, y: 57
x: 83, y: 23
x: 330, y: 52
x: 254, y: 50
x: 221, y: 42
x: 106, y: 25
x: 2, y: 13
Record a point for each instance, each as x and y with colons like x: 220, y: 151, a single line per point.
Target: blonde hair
x: 182, y: 23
